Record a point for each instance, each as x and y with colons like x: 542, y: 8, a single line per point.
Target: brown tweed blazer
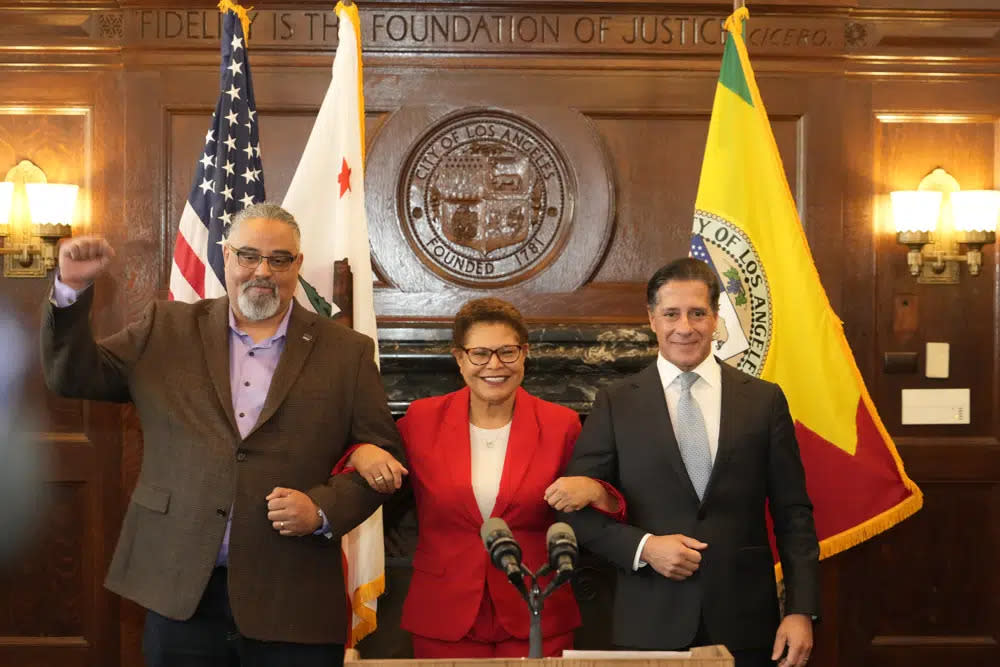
x: 174, y: 365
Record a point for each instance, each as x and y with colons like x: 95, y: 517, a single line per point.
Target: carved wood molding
x: 817, y: 30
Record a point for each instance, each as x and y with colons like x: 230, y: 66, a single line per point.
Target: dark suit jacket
x: 451, y: 568
x: 628, y: 441
x: 174, y: 365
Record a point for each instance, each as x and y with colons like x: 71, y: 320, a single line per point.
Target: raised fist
x: 82, y: 259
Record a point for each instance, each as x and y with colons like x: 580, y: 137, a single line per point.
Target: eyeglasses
x: 480, y: 356
x: 250, y: 259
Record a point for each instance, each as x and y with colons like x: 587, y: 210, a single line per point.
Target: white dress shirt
x: 489, y: 451
x: 63, y: 295
x: 706, y: 392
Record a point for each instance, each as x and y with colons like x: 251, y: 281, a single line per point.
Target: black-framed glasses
x: 251, y: 259
x: 480, y: 356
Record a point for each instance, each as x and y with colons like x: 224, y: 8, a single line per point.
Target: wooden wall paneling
x: 858, y: 266
x: 915, y: 597
x: 55, y: 609
x: 144, y: 234
x: 657, y: 159
x: 827, y: 632
x: 909, y: 5
x: 909, y: 148
x: 653, y: 127
x: 107, y: 425
x: 904, y: 597
x: 925, y: 592
x: 143, y: 226
x: 970, y: 103
x: 819, y: 177
x: 45, y: 597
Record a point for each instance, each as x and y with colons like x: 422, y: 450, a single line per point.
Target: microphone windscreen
x: 491, y: 527
x: 558, y: 531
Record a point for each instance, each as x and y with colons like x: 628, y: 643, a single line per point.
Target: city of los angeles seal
x: 743, y: 333
x: 486, y: 199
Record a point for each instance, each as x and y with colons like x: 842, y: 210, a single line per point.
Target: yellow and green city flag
x: 776, y: 322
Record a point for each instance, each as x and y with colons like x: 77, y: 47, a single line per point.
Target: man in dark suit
x: 247, y: 402
x: 700, y: 452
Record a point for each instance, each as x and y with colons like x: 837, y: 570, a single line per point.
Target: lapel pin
x: 307, y: 337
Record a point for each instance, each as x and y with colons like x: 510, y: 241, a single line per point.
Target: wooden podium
x: 702, y: 656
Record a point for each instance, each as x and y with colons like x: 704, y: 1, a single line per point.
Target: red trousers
x: 488, y: 639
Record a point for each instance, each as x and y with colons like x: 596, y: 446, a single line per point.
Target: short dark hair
x: 685, y: 268
x: 491, y: 310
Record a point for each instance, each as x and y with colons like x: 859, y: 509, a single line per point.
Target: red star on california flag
x: 344, y: 178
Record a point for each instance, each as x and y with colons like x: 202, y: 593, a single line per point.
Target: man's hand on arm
x: 292, y: 513
x: 676, y: 557
x: 795, y: 632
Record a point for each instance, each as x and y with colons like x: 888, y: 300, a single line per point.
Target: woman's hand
x: 379, y: 468
x: 569, y: 494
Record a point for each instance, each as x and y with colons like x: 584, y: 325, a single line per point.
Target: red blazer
x: 451, y: 569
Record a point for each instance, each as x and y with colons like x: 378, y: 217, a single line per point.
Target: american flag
x: 228, y: 176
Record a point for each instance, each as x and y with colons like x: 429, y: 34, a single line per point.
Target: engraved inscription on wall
x: 477, y: 31
x: 486, y: 198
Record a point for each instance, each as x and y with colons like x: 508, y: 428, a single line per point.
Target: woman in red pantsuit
x: 490, y: 449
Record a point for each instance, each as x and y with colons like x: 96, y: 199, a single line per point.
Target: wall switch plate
x: 937, y: 358
x: 900, y: 362
x: 936, y: 406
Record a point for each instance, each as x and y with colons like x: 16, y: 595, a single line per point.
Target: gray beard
x: 257, y: 308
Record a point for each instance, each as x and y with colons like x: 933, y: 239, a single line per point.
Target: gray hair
x: 268, y: 211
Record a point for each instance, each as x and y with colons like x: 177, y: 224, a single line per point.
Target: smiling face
x: 683, y: 320
x: 261, y: 293
x: 495, y: 382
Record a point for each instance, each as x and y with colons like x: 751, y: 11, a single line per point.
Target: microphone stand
x: 535, y: 597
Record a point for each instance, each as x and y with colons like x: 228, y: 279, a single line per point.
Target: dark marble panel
x: 566, y: 364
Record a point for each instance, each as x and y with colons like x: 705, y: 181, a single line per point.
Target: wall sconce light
x: 6, y: 201
x: 34, y: 215
x: 939, y: 217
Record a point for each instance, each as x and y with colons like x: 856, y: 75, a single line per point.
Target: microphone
x: 504, y: 550
x: 563, y: 552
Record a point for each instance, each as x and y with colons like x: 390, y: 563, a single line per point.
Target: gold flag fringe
x: 854, y: 536
x: 365, y: 593
x: 241, y: 14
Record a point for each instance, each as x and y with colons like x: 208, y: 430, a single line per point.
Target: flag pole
x: 736, y: 4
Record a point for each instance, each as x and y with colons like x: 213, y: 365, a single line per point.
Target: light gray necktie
x: 692, y: 436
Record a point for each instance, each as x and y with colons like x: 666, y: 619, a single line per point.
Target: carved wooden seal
x: 488, y: 198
